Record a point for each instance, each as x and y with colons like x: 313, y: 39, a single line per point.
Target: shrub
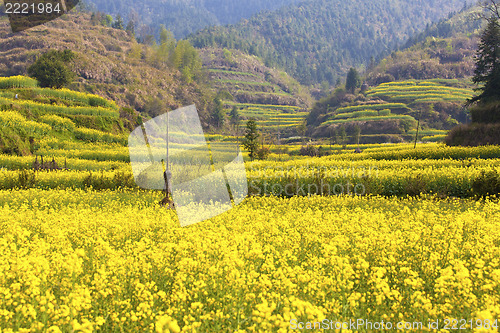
x: 488, y: 183
x: 309, y: 151
x: 51, y: 69
x: 263, y: 153
x: 474, y: 135
x: 415, y: 185
x: 26, y: 179
x: 486, y: 113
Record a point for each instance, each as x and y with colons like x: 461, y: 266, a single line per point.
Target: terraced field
x: 412, y: 92
x: 22, y: 93
x: 402, y: 103
x: 273, y: 98
x: 29, y: 115
x: 278, y: 115
x: 271, y: 118
x: 371, y: 113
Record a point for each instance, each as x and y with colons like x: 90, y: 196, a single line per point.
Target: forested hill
x: 444, y: 50
x: 318, y: 40
x: 187, y: 16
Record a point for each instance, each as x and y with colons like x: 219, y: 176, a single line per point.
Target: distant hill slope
x: 248, y: 80
x: 319, y: 40
x: 188, y: 16
x: 274, y: 99
x: 429, y: 78
x: 108, y: 63
x: 444, y: 50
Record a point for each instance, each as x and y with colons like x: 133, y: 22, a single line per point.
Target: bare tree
x: 64, y: 6
x: 490, y: 9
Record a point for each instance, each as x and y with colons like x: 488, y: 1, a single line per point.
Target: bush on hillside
x: 474, y: 135
x: 51, y: 69
x: 263, y: 153
x: 486, y: 113
x: 488, y: 183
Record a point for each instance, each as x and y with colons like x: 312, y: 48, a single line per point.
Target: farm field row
x: 270, y: 117
x: 119, y: 155
x: 15, y: 122
x: 302, y: 177
x: 415, y: 91
x: 368, y: 119
x: 228, y: 72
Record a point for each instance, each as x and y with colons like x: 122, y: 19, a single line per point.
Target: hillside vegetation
x: 274, y: 99
x: 108, y: 63
x: 390, y: 111
x: 444, y: 50
x: 248, y: 80
x: 429, y: 79
x: 33, y: 119
x: 319, y: 40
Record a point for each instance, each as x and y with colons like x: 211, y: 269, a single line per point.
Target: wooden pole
x: 418, y: 126
x: 167, y: 174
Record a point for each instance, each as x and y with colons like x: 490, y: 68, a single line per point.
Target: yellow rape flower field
x: 114, y: 261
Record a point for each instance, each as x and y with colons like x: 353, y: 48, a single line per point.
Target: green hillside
x: 274, y: 99
x: 391, y: 110
x: 428, y: 79
x: 248, y: 80
x: 271, y: 119
x: 35, y: 119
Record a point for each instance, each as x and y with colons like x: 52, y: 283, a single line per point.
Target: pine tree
x: 130, y: 29
x: 353, y: 80
x: 118, y: 23
x: 251, y: 140
x: 235, y: 116
x: 218, y: 115
x: 488, y: 64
